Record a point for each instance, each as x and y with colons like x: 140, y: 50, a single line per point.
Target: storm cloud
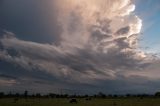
x: 93, y: 43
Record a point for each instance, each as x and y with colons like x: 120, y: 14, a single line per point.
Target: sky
x: 79, y: 46
x: 149, y: 12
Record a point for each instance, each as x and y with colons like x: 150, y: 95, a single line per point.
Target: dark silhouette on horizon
x: 26, y: 95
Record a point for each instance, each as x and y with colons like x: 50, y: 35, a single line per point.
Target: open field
x: 81, y: 102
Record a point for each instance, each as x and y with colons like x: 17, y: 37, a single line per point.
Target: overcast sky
x: 80, y: 46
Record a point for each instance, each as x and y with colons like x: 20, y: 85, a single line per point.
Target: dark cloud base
x: 33, y: 76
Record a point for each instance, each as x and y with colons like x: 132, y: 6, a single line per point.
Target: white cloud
x: 95, y: 23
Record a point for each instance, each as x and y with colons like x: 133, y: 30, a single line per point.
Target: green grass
x: 82, y: 102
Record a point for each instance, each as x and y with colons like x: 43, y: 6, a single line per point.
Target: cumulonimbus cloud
x: 101, y: 20
x: 99, y: 42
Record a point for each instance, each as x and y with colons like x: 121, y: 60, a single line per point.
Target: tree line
x: 54, y: 95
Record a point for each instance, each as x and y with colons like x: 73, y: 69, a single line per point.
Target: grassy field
x: 82, y: 102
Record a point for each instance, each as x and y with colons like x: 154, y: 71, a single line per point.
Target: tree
x: 25, y: 93
x: 2, y: 94
x: 52, y: 95
x: 157, y: 94
x: 17, y: 95
x: 38, y: 95
x: 101, y: 95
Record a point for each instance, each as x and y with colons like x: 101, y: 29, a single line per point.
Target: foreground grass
x: 82, y: 102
